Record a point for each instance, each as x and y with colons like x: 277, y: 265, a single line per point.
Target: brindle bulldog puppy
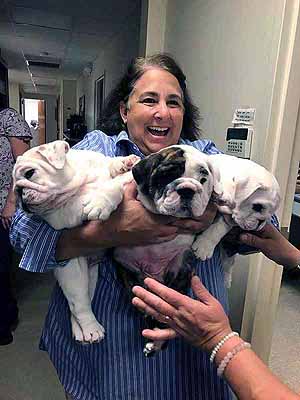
x: 177, y: 181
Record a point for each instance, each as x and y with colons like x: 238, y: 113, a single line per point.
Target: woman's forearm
x: 250, y: 378
x: 84, y: 240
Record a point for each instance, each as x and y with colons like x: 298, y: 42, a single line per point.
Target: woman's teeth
x: 157, y: 131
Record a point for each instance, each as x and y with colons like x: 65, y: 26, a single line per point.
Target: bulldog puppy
x: 250, y: 196
x: 65, y: 187
x: 179, y: 181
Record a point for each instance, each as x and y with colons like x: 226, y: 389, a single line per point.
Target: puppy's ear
x: 215, y: 173
x: 55, y: 153
x: 246, y: 187
x: 142, y: 172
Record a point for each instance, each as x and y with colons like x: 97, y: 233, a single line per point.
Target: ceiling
x: 70, y: 33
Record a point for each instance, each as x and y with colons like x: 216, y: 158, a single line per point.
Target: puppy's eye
x: 28, y: 174
x: 203, y: 171
x: 202, y: 180
x: 257, y: 207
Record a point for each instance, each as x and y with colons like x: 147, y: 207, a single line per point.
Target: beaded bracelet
x: 229, y: 356
x: 220, y: 344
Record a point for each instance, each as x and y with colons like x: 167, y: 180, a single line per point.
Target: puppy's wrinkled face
x: 257, y: 209
x: 175, y: 181
x: 35, y: 175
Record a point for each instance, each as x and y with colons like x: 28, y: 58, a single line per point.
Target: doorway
x: 34, y: 114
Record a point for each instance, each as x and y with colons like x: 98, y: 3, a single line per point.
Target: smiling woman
x: 148, y: 110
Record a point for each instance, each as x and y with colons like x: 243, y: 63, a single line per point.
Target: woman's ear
x: 123, y: 111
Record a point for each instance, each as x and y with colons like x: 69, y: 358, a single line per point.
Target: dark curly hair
x: 111, y: 122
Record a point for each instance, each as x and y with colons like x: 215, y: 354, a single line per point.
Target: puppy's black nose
x: 186, y: 193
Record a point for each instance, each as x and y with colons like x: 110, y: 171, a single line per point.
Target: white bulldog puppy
x: 179, y: 181
x: 250, y: 196
x: 65, y: 187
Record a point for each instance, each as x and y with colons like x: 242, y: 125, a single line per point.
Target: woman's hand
x: 7, y: 214
x: 202, y: 322
x: 197, y: 225
x: 273, y: 245
x: 132, y: 224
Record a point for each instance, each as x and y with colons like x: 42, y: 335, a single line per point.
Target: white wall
x: 156, y: 26
x: 14, y: 95
x: 228, y: 50
x: 112, y: 61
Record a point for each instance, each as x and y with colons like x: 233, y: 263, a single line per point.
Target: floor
x: 26, y: 373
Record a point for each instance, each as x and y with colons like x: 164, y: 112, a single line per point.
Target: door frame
x: 283, y: 137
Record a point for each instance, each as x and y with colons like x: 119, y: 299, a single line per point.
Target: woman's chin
x: 158, y: 143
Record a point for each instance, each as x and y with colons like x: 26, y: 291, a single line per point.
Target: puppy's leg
x: 228, y: 264
x: 74, y: 281
x: 120, y: 165
x: 206, y: 242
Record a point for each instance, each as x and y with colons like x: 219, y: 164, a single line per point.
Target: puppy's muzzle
x: 186, y: 193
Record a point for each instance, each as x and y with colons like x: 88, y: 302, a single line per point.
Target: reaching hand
x: 202, y: 322
x: 273, y: 245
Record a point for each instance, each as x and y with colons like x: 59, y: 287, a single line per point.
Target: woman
x: 14, y: 140
x: 204, y: 323
x: 148, y: 110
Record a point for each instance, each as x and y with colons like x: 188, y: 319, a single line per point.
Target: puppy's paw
x: 203, y: 250
x: 151, y: 348
x: 120, y: 165
x: 89, y: 333
x: 99, y: 208
x: 130, y: 161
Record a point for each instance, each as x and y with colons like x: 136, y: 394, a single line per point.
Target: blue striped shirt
x: 116, y: 368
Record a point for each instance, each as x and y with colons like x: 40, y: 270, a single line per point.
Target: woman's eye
x: 149, y: 100
x: 174, y: 103
x: 28, y: 174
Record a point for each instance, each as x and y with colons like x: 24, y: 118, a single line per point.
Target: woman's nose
x: 162, y: 111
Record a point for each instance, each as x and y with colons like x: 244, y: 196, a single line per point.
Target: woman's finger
x: 151, y: 304
x: 160, y: 334
x: 200, y: 290
x: 130, y: 191
x: 170, y: 296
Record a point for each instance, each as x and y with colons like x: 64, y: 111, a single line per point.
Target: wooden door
x: 42, y: 122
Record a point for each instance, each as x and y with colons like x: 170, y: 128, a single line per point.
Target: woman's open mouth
x: 158, y: 131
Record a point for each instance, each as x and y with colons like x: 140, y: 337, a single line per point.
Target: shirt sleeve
x: 16, y: 126
x: 36, y: 240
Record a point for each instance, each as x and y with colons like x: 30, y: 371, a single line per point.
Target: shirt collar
x: 123, y: 137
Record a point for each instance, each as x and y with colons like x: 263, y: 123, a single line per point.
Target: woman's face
x: 155, y: 111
